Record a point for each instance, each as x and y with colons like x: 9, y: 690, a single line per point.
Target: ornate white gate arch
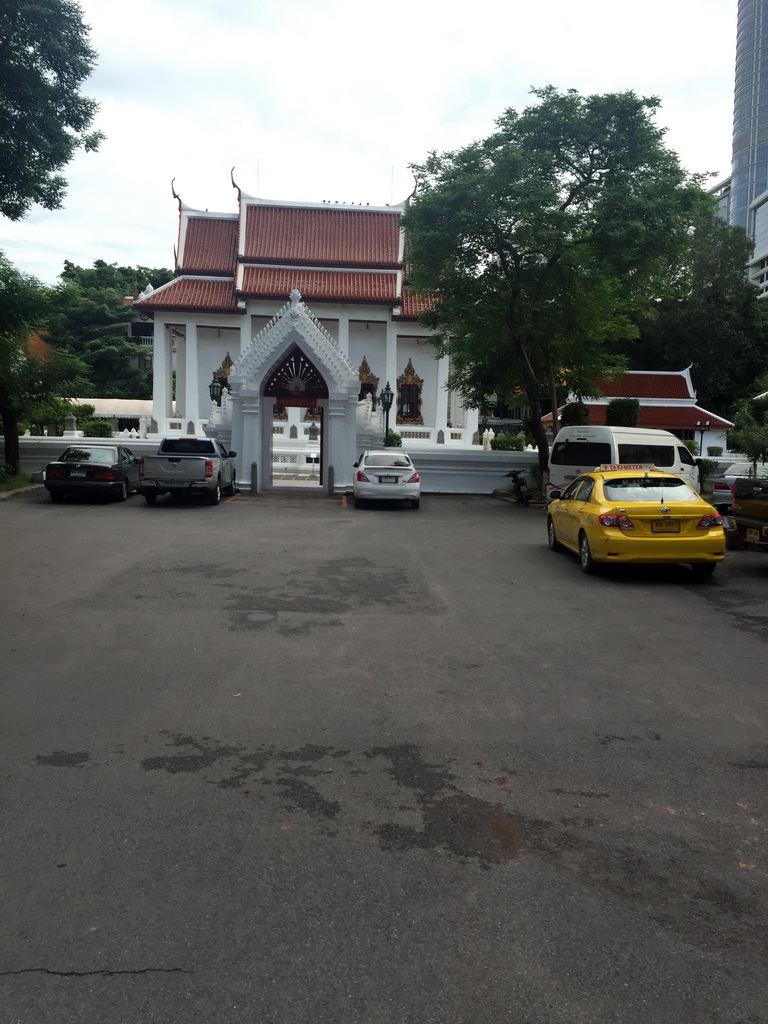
x: 252, y: 422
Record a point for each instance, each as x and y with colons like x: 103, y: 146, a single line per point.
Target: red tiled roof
x: 660, y: 417
x: 187, y: 294
x: 413, y: 305
x: 326, y: 237
x: 640, y: 384
x: 210, y: 246
x: 320, y: 285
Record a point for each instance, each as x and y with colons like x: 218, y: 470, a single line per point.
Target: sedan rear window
x: 633, y: 488
x: 388, y: 462
x: 101, y: 456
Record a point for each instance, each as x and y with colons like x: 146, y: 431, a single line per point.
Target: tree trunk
x: 535, y: 426
x: 553, y: 399
x: 11, y: 432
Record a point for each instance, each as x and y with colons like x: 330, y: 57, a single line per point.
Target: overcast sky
x: 332, y: 99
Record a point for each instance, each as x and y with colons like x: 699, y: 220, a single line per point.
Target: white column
x: 245, y: 334
x: 344, y: 334
x: 391, y: 361
x: 191, y: 380
x: 161, y: 376
x: 442, y: 397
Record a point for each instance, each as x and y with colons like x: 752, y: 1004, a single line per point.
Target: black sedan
x: 109, y: 470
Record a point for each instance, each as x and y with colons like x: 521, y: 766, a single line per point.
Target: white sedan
x: 387, y: 475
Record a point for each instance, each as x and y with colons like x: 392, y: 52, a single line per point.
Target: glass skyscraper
x: 743, y: 198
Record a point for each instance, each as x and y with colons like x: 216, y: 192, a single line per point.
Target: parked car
x: 635, y: 514
x: 186, y: 467
x: 722, y: 485
x: 387, y: 475
x: 106, y: 470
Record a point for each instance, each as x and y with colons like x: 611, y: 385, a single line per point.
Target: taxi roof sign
x: 644, y: 467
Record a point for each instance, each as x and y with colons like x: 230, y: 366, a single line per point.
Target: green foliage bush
x: 715, y: 450
x: 97, y: 428
x: 508, y: 443
x: 574, y: 414
x: 622, y: 412
x: 691, y: 445
x: 393, y: 440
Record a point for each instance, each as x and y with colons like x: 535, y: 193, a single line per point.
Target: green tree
x: 89, y: 317
x: 751, y: 432
x: 44, y: 57
x: 27, y: 376
x: 574, y: 414
x: 710, y: 318
x: 622, y: 412
x: 537, y: 243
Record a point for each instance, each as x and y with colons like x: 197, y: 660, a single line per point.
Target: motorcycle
x: 519, y: 487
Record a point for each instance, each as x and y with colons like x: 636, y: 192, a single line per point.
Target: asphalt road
x: 286, y: 762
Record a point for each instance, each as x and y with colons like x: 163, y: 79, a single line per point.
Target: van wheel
x: 585, y: 556
x: 554, y: 543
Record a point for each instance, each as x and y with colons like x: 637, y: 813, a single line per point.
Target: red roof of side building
x: 648, y: 384
x: 328, y: 237
x: 210, y: 246
x: 660, y: 417
x: 320, y: 285
x: 188, y: 294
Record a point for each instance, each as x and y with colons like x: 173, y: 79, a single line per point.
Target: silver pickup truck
x: 186, y: 466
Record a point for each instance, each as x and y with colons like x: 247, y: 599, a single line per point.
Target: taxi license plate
x: 665, y: 526
x: 77, y: 473
x: 388, y: 479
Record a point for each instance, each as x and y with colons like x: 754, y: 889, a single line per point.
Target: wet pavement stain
x: 63, y: 759
x: 207, y: 753
x: 462, y: 824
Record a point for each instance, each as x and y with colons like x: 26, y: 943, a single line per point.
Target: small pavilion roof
x: 194, y: 294
x: 649, y: 384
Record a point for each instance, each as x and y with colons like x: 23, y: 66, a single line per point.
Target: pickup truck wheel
x: 150, y: 498
x: 215, y: 495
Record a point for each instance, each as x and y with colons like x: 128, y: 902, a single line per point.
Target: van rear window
x: 581, y: 453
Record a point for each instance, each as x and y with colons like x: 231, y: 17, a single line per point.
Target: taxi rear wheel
x: 554, y: 543
x: 703, y: 570
x: 585, y: 556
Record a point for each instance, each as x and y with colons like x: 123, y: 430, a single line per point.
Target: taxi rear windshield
x: 639, y: 488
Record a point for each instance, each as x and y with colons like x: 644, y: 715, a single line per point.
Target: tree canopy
x: 89, y: 317
x: 710, y: 317
x: 538, y: 244
x: 28, y: 373
x: 44, y: 57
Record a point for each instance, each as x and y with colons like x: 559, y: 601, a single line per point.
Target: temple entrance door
x: 298, y: 453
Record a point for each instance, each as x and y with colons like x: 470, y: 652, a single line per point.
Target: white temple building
x: 302, y: 312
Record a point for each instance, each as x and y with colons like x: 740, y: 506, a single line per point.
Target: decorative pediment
x: 369, y: 382
x: 294, y: 326
x: 409, y: 386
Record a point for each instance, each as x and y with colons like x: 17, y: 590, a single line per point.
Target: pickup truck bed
x: 187, y: 466
x: 750, y: 511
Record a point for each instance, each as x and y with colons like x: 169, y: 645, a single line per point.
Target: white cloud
x: 333, y: 100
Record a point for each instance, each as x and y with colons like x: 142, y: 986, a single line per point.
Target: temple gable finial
x: 234, y: 183
x: 295, y: 303
x: 174, y: 193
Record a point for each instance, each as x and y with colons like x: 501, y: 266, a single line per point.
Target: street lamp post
x: 214, y: 390
x: 385, y: 398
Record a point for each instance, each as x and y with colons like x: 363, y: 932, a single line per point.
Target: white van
x: 581, y: 449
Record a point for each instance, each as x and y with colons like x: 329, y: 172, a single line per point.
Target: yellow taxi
x: 635, y: 513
